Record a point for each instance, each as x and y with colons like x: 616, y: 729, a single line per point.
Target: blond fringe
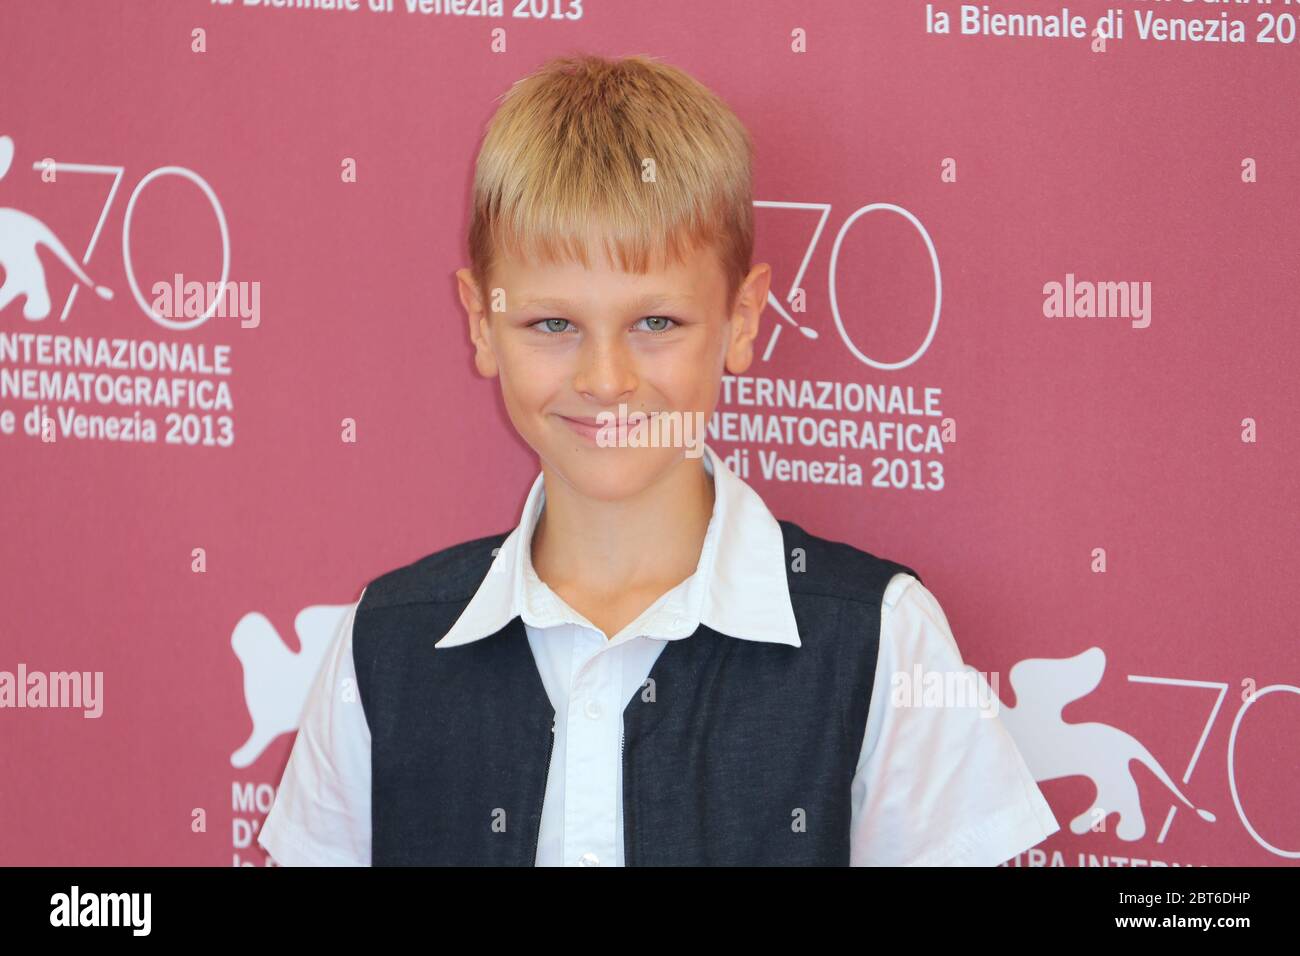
x: 561, y: 168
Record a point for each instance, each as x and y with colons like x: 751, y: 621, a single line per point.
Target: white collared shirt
x: 936, y: 786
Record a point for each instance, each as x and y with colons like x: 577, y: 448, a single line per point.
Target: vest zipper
x: 627, y: 845
x: 546, y: 775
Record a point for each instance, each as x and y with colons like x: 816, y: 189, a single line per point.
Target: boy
x: 650, y: 668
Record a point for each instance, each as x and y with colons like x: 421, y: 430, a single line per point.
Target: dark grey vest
x: 744, y: 755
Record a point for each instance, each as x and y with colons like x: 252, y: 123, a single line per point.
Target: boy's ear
x: 751, y: 299
x: 479, y: 329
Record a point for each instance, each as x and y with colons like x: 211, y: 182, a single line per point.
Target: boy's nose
x: 606, y: 370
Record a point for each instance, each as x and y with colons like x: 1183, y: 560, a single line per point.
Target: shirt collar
x: 739, y: 587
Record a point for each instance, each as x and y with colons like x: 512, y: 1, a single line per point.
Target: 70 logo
x: 1249, y: 698
x: 831, y: 284
x: 52, y: 168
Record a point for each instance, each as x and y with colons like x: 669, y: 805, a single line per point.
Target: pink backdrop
x: 1162, y: 448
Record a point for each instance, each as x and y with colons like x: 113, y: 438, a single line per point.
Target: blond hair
x: 563, y: 158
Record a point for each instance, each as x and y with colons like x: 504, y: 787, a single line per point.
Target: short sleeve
x: 940, y: 781
x: 321, y: 814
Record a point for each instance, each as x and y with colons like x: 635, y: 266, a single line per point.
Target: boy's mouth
x: 586, y: 427
x: 589, y: 428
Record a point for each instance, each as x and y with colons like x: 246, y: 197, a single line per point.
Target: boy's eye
x: 660, y: 322
x: 544, y: 325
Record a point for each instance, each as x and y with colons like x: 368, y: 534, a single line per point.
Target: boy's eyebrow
x: 654, y: 300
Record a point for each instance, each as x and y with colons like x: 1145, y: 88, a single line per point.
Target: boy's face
x: 571, y: 343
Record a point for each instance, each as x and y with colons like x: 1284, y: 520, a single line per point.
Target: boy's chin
x: 610, y: 474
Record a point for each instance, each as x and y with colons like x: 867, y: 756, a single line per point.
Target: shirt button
x: 589, y: 859
x: 592, y: 709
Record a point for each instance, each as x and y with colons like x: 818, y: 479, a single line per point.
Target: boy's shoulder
x: 826, y: 567
x: 450, y: 575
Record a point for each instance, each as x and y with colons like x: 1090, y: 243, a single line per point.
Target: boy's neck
x: 646, y: 544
